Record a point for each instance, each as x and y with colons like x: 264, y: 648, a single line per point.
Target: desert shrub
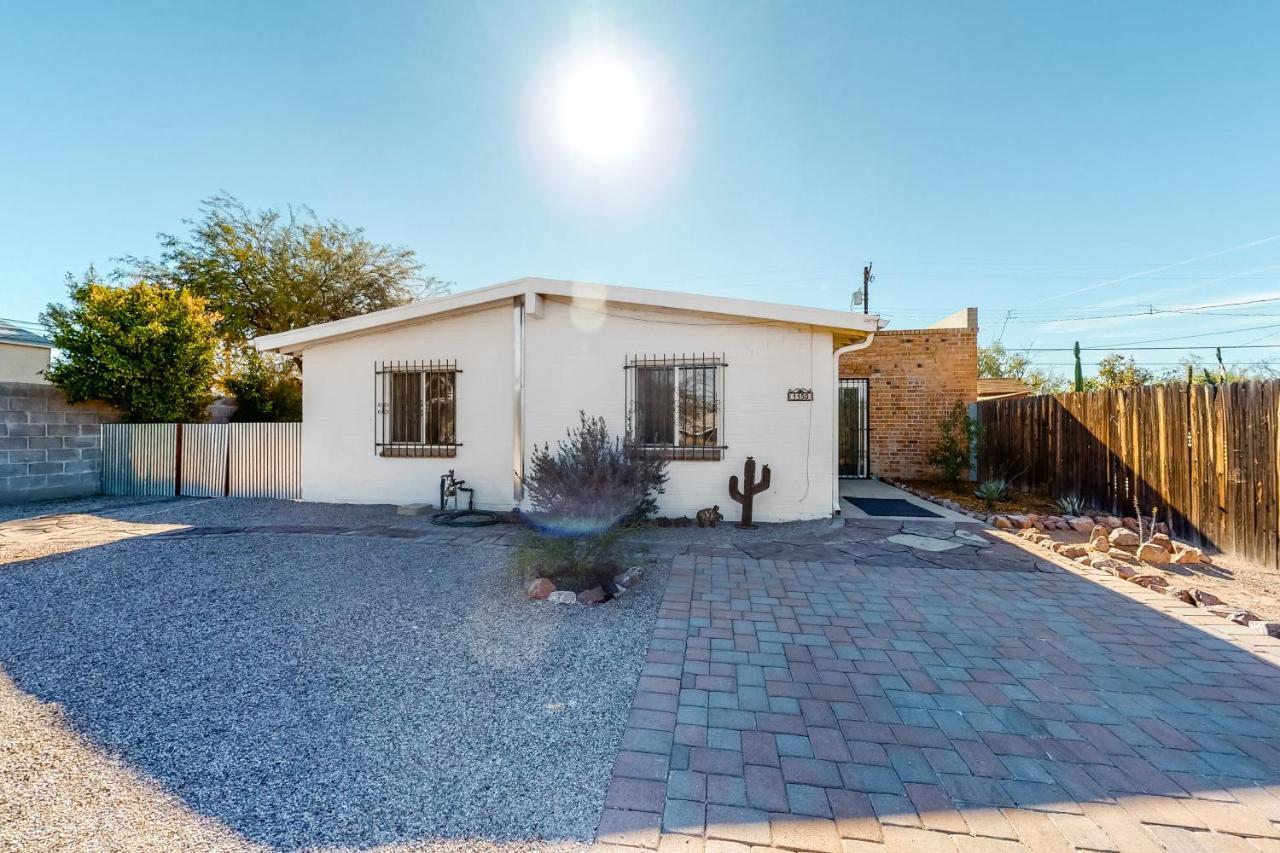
x: 581, y: 492
x: 593, y: 480
x: 1071, y: 504
x: 574, y: 561
x: 956, y: 434
x: 993, y: 491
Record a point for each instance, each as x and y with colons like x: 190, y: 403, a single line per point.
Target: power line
x: 1123, y: 348
x: 1162, y: 268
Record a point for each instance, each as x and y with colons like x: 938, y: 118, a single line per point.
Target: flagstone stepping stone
x: 923, y: 543
x: 899, y: 561
x: 971, y: 537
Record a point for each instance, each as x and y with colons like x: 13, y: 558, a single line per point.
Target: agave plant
x: 1071, y: 505
x: 992, y: 491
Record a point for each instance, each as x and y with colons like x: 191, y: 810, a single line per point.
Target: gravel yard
x: 296, y: 690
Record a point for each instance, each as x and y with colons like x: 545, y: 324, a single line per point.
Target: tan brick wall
x: 914, y: 376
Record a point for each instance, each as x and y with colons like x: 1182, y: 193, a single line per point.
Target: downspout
x: 835, y: 406
x: 517, y: 411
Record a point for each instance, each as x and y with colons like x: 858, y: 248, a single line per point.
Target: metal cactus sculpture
x: 747, y: 496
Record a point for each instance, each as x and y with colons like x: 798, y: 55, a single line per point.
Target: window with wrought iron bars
x: 416, y: 408
x: 675, y: 404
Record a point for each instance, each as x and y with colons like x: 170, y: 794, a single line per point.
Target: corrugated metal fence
x: 203, y: 460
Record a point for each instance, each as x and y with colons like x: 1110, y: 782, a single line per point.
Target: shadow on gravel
x: 333, y: 690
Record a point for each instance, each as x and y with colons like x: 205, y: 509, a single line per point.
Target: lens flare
x: 602, y: 109
x: 606, y: 125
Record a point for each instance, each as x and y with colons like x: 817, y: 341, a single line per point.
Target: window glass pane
x: 655, y: 414
x: 699, y: 407
x: 406, y: 407
x: 441, y: 407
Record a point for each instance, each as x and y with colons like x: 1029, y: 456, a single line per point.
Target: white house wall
x: 574, y: 361
x: 338, y: 459
x: 576, y: 356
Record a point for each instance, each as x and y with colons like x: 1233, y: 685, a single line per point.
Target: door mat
x: 892, y: 506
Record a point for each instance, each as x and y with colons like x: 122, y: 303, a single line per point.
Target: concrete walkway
x: 878, y: 489
x: 920, y: 701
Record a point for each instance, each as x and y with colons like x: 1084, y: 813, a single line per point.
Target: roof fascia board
x: 531, y: 288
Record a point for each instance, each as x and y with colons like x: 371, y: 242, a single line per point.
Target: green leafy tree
x: 1120, y: 371
x: 270, y: 271
x: 265, y: 388
x: 148, y: 350
x: 997, y: 362
x: 957, y: 433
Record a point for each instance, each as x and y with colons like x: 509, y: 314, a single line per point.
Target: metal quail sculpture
x: 753, y: 488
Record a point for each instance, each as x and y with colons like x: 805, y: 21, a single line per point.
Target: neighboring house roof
x: 533, y: 288
x: 11, y: 334
x: 1000, y: 387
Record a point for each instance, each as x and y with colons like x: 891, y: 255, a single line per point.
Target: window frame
x: 678, y: 367
x: 386, y: 440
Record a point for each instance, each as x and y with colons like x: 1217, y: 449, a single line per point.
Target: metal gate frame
x: 864, y: 428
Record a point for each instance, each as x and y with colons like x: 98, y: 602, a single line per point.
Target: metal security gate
x: 854, y: 433
x: 203, y: 460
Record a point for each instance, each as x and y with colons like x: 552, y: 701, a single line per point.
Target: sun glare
x: 601, y: 109
x: 606, y: 125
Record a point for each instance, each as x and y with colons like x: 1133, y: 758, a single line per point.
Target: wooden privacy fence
x: 203, y: 460
x: 1206, y: 455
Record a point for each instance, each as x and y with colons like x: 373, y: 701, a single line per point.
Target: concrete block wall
x: 915, y: 376
x: 49, y: 448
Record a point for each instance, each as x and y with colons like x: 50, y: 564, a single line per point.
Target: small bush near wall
x: 581, y: 493
x: 957, y: 433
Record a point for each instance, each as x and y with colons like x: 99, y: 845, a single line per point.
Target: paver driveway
x: 833, y: 706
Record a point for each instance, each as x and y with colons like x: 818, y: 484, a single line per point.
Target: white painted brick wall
x: 574, y: 361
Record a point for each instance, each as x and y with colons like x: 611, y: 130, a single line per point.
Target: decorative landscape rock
x: 595, y: 595
x: 1155, y: 582
x: 629, y: 578
x: 1150, y: 552
x: 1071, y: 550
x: 1163, y: 541
x: 1117, y: 568
x: 539, y: 588
x: 1001, y: 522
x: 1185, y: 555
x: 1082, y: 524
x: 1200, y: 598
x: 562, y: 596
x: 1123, y: 537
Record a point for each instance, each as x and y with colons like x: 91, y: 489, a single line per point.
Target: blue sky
x: 1004, y: 155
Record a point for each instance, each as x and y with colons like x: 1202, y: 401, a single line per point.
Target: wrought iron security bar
x: 675, y: 404
x: 416, y: 408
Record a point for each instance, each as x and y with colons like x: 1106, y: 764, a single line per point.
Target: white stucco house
x: 473, y: 381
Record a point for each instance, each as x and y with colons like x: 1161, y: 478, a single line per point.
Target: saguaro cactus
x: 747, y: 496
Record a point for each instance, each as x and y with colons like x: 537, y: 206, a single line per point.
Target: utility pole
x: 867, y: 278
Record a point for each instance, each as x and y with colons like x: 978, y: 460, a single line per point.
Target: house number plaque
x: 800, y: 395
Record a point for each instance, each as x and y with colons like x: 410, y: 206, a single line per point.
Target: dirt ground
x: 1238, y: 582
x: 1019, y: 502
